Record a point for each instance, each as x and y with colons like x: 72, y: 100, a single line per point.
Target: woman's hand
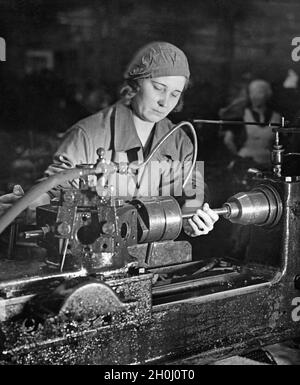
x: 7, y: 200
x: 201, y: 223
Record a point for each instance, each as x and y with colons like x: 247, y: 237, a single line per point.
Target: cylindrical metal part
x: 276, y: 155
x: 173, y: 218
x: 248, y: 208
x: 162, y: 218
x: 261, y: 206
x: 87, y: 181
x: 222, y: 210
x: 33, y: 234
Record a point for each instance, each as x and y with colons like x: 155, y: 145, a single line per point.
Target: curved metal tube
x: 135, y: 166
x: 36, y: 191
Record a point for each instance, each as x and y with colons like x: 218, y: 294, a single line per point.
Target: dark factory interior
x: 94, y: 278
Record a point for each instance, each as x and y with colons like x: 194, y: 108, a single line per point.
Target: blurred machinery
x: 120, y: 287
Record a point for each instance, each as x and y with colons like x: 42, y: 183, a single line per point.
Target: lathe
x: 116, y: 285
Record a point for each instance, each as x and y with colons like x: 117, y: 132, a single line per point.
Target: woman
x: 155, y: 81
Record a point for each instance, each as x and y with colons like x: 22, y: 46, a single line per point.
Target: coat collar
x: 126, y: 137
x: 125, y: 133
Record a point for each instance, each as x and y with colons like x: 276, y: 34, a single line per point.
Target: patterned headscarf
x: 158, y: 59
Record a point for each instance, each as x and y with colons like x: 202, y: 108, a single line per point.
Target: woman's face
x: 157, y: 97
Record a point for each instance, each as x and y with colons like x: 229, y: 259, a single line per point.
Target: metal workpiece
x: 37, y: 234
x: 222, y: 210
x: 225, y: 210
x: 159, y: 219
x: 261, y: 206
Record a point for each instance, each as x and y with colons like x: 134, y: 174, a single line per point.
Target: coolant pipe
x: 36, y: 191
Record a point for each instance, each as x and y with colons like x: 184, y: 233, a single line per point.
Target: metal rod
x: 220, y: 211
x: 149, y: 251
x: 210, y: 121
x: 278, y: 127
x: 65, y: 247
x: 12, y: 239
x: 33, y: 234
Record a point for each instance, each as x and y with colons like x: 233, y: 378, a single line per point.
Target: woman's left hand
x: 7, y: 200
x: 201, y: 223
